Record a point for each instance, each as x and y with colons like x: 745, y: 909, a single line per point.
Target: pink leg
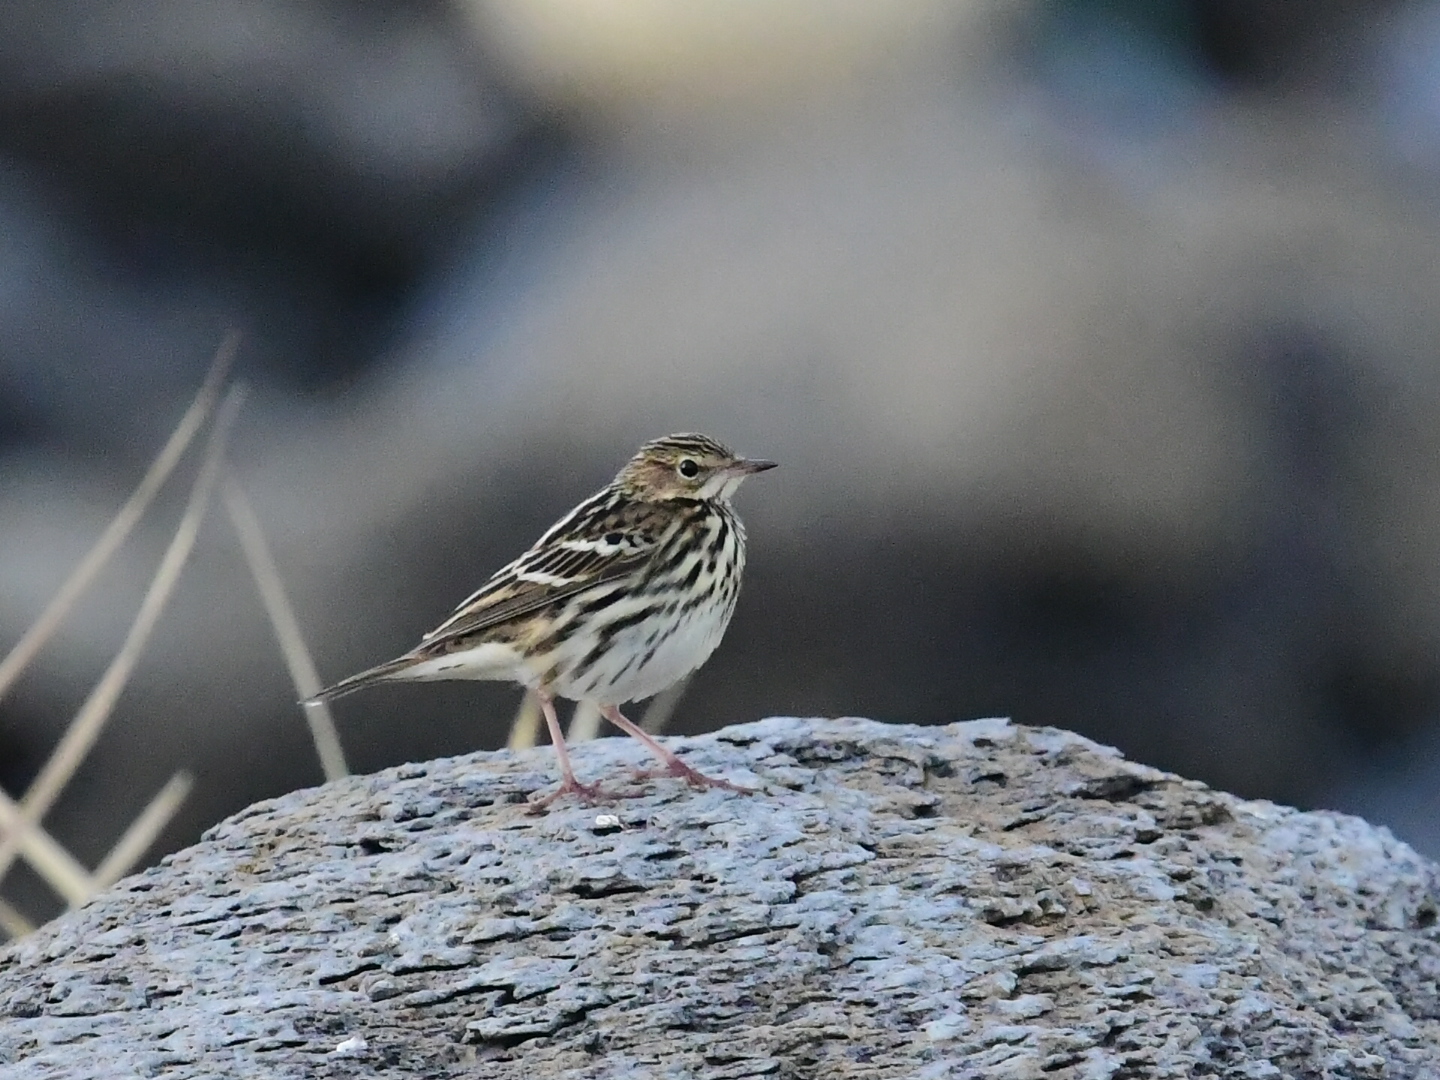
x: 589, y: 793
x: 673, y: 765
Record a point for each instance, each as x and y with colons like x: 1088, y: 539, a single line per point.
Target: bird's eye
x: 688, y: 468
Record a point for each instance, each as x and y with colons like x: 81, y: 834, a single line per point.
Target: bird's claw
x: 692, y: 776
x: 588, y: 794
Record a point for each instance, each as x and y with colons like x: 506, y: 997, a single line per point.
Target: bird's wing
x: 603, y: 539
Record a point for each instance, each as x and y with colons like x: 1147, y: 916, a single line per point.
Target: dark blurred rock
x: 290, y: 169
x: 1325, y: 47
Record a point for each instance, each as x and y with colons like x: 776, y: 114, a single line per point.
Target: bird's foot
x: 589, y: 794
x: 692, y: 776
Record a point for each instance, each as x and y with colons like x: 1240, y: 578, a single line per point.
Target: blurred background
x: 1097, y: 340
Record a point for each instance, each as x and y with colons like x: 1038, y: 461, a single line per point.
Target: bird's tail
x: 368, y: 677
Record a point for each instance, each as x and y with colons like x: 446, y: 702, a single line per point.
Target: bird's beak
x: 746, y: 466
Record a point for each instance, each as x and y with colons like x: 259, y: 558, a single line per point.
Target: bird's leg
x: 673, y: 765
x: 588, y: 793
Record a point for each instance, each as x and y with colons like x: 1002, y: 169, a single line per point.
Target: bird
x: 625, y: 595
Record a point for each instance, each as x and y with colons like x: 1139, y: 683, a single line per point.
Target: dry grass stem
x: 584, y: 723
x: 286, y: 627
x: 142, y: 832
x: 663, y: 707
x: 40, y: 631
x: 13, y: 924
x: 85, y: 728
x: 51, y: 861
x: 525, y: 728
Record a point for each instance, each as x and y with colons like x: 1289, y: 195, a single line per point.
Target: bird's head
x: 686, y: 467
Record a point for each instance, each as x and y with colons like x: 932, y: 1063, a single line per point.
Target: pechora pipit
x: 621, y: 598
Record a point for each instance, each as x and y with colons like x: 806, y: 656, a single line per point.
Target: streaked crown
x: 686, y: 466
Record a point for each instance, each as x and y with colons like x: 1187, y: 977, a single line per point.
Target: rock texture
x: 977, y: 900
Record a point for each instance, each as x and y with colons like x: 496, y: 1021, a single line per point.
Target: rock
x: 980, y: 899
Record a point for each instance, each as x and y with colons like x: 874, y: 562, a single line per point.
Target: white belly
x: 649, y: 657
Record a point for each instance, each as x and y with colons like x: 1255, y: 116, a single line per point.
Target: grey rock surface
x: 980, y: 899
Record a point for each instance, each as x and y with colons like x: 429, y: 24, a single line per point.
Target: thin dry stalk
x: 40, y: 631
x: 85, y: 728
x: 525, y: 728
x: 142, y: 832
x: 13, y: 924
x: 286, y: 627
x: 584, y: 723
x: 42, y: 851
x: 663, y: 707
